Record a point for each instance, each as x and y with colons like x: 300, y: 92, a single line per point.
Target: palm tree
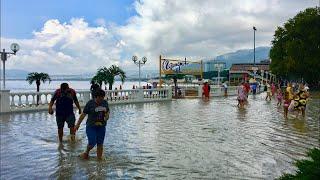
x: 38, y: 77
x: 115, y: 71
x: 99, y: 78
x: 107, y: 75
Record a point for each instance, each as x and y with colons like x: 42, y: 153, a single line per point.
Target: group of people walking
x: 292, y: 100
x: 97, y: 110
x: 296, y: 100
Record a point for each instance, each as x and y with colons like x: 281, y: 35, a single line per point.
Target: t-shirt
x: 206, y: 89
x: 247, y: 87
x: 96, y: 113
x: 64, y: 101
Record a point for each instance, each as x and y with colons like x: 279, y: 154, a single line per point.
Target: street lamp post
x: 4, y: 56
x: 254, y: 52
x: 262, y: 75
x: 219, y: 66
x: 139, y: 63
x: 254, y: 45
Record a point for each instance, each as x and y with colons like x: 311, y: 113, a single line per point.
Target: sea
x: 24, y: 86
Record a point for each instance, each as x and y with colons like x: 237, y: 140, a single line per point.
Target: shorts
x: 71, y: 119
x: 95, y: 135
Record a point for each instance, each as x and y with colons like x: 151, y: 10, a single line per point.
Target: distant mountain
x: 244, y: 56
x: 15, y: 74
x: 131, y: 75
x: 240, y: 56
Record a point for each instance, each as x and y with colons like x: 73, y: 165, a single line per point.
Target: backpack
x: 64, y: 102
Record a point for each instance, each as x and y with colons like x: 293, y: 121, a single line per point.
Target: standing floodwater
x: 187, y: 138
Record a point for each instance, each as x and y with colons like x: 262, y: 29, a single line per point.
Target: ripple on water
x: 185, y: 138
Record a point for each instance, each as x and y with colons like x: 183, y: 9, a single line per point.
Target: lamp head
x: 144, y: 59
x: 134, y: 58
x: 15, y: 47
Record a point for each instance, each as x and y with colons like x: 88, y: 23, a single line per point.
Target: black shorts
x: 71, y: 119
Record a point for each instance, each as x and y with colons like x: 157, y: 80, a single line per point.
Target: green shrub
x: 307, y: 169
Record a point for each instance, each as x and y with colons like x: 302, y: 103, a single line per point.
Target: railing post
x: 4, y: 101
x: 200, y: 91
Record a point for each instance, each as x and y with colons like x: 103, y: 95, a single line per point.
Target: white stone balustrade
x: 19, y: 99
x: 26, y: 101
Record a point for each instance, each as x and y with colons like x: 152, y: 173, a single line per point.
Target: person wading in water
x: 64, y: 98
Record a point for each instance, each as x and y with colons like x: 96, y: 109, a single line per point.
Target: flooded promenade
x: 179, y: 139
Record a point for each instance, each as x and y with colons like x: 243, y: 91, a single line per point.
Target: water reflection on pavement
x: 185, y: 138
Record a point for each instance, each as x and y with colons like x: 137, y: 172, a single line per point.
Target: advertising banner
x: 173, y: 66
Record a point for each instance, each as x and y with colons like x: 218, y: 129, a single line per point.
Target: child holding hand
x: 97, y: 110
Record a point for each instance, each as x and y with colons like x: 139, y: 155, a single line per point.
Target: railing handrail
x: 83, y: 91
x: 27, y: 101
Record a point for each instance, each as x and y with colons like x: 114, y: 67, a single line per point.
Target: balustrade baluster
x: 19, y: 103
x: 40, y: 101
x: 46, y: 99
x: 27, y: 99
x: 12, y: 100
x: 33, y: 99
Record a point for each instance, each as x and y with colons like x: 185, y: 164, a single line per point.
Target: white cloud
x: 208, y: 28
x: 184, y: 28
x: 65, y: 48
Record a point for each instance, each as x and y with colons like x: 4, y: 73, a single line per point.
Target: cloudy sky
x: 79, y: 36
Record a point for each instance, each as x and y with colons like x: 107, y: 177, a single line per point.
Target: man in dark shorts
x: 64, y: 98
x: 97, y: 110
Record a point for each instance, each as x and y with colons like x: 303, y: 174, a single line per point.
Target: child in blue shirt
x: 97, y: 110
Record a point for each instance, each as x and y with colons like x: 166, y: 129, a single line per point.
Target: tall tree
x: 99, y: 78
x: 107, y: 75
x: 295, y: 51
x: 115, y: 71
x: 38, y: 77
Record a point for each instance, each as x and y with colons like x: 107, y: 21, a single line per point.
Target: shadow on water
x: 5, y: 117
x: 241, y: 113
x: 297, y: 123
x: 66, y: 165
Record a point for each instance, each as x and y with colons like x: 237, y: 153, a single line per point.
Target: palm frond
x: 107, y: 75
x: 35, y: 76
